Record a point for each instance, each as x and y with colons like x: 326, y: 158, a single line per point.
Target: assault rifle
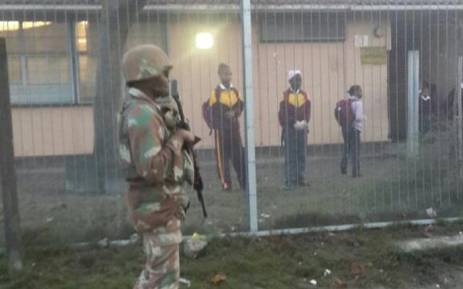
x: 198, y: 184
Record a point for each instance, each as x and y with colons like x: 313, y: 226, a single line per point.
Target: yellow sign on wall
x: 373, y: 55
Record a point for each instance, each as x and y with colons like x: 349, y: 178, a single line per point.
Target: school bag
x: 343, y: 112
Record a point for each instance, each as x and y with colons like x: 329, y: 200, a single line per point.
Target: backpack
x: 343, y: 112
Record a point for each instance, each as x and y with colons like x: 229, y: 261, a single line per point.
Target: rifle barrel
x: 198, y: 181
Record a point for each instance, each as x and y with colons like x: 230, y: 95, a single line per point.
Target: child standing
x: 221, y: 113
x: 425, y: 102
x: 349, y: 114
x: 294, y: 117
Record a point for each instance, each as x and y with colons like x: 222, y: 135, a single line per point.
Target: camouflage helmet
x: 143, y: 62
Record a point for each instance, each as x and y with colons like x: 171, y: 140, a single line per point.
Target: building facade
x: 53, y: 51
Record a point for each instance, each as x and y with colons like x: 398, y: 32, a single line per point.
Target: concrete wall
x: 51, y: 131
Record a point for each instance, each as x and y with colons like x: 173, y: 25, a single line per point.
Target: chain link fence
x: 405, y: 149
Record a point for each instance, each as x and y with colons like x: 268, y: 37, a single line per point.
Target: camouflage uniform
x: 156, y: 169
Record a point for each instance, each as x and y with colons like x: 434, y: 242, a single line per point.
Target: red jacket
x: 223, y: 101
x: 294, y: 107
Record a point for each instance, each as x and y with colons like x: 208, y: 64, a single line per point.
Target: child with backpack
x: 349, y: 115
x: 294, y: 117
x: 221, y: 113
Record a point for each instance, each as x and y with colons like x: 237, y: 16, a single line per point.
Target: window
x: 14, y: 69
x: 86, y: 49
x: 38, y: 62
x: 309, y: 27
x: 86, y: 42
x: 56, y: 63
x: 56, y: 67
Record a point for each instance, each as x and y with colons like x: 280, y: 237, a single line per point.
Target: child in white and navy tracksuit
x: 351, y: 132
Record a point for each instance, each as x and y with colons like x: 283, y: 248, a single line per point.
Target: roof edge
x: 208, y: 8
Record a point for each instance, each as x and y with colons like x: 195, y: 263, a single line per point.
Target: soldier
x: 294, y: 117
x: 155, y: 164
x: 221, y: 113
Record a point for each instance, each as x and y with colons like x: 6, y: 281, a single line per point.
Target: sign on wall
x: 361, y: 41
x: 373, y: 55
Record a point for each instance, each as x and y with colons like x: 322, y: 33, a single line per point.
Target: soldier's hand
x: 186, y: 135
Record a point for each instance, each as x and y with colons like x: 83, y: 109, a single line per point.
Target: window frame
x: 334, y: 25
x: 72, y: 73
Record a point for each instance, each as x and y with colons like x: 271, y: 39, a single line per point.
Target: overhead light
x: 204, y: 40
x: 9, y: 26
x: 16, y: 25
x: 81, y: 28
x: 29, y: 25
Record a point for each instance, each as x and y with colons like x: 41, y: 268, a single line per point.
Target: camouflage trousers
x: 162, y: 267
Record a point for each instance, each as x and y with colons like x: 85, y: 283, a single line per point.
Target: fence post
x: 412, y: 103
x: 459, y: 108
x: 8, y: 169
x: 251, y: 189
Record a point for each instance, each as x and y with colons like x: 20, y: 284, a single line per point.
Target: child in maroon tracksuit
x: 221, y: 112
x: 294, y: 117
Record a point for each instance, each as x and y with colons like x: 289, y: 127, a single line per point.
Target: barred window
x: 38, y: 62
x: 302, y: 27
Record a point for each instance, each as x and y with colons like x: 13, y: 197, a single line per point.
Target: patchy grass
x: 360, y: 259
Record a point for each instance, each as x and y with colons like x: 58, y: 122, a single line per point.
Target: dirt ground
x: 358, y: 259
x: 393, y: 187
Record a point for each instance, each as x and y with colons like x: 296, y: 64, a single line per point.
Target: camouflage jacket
x: 155, y: 165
